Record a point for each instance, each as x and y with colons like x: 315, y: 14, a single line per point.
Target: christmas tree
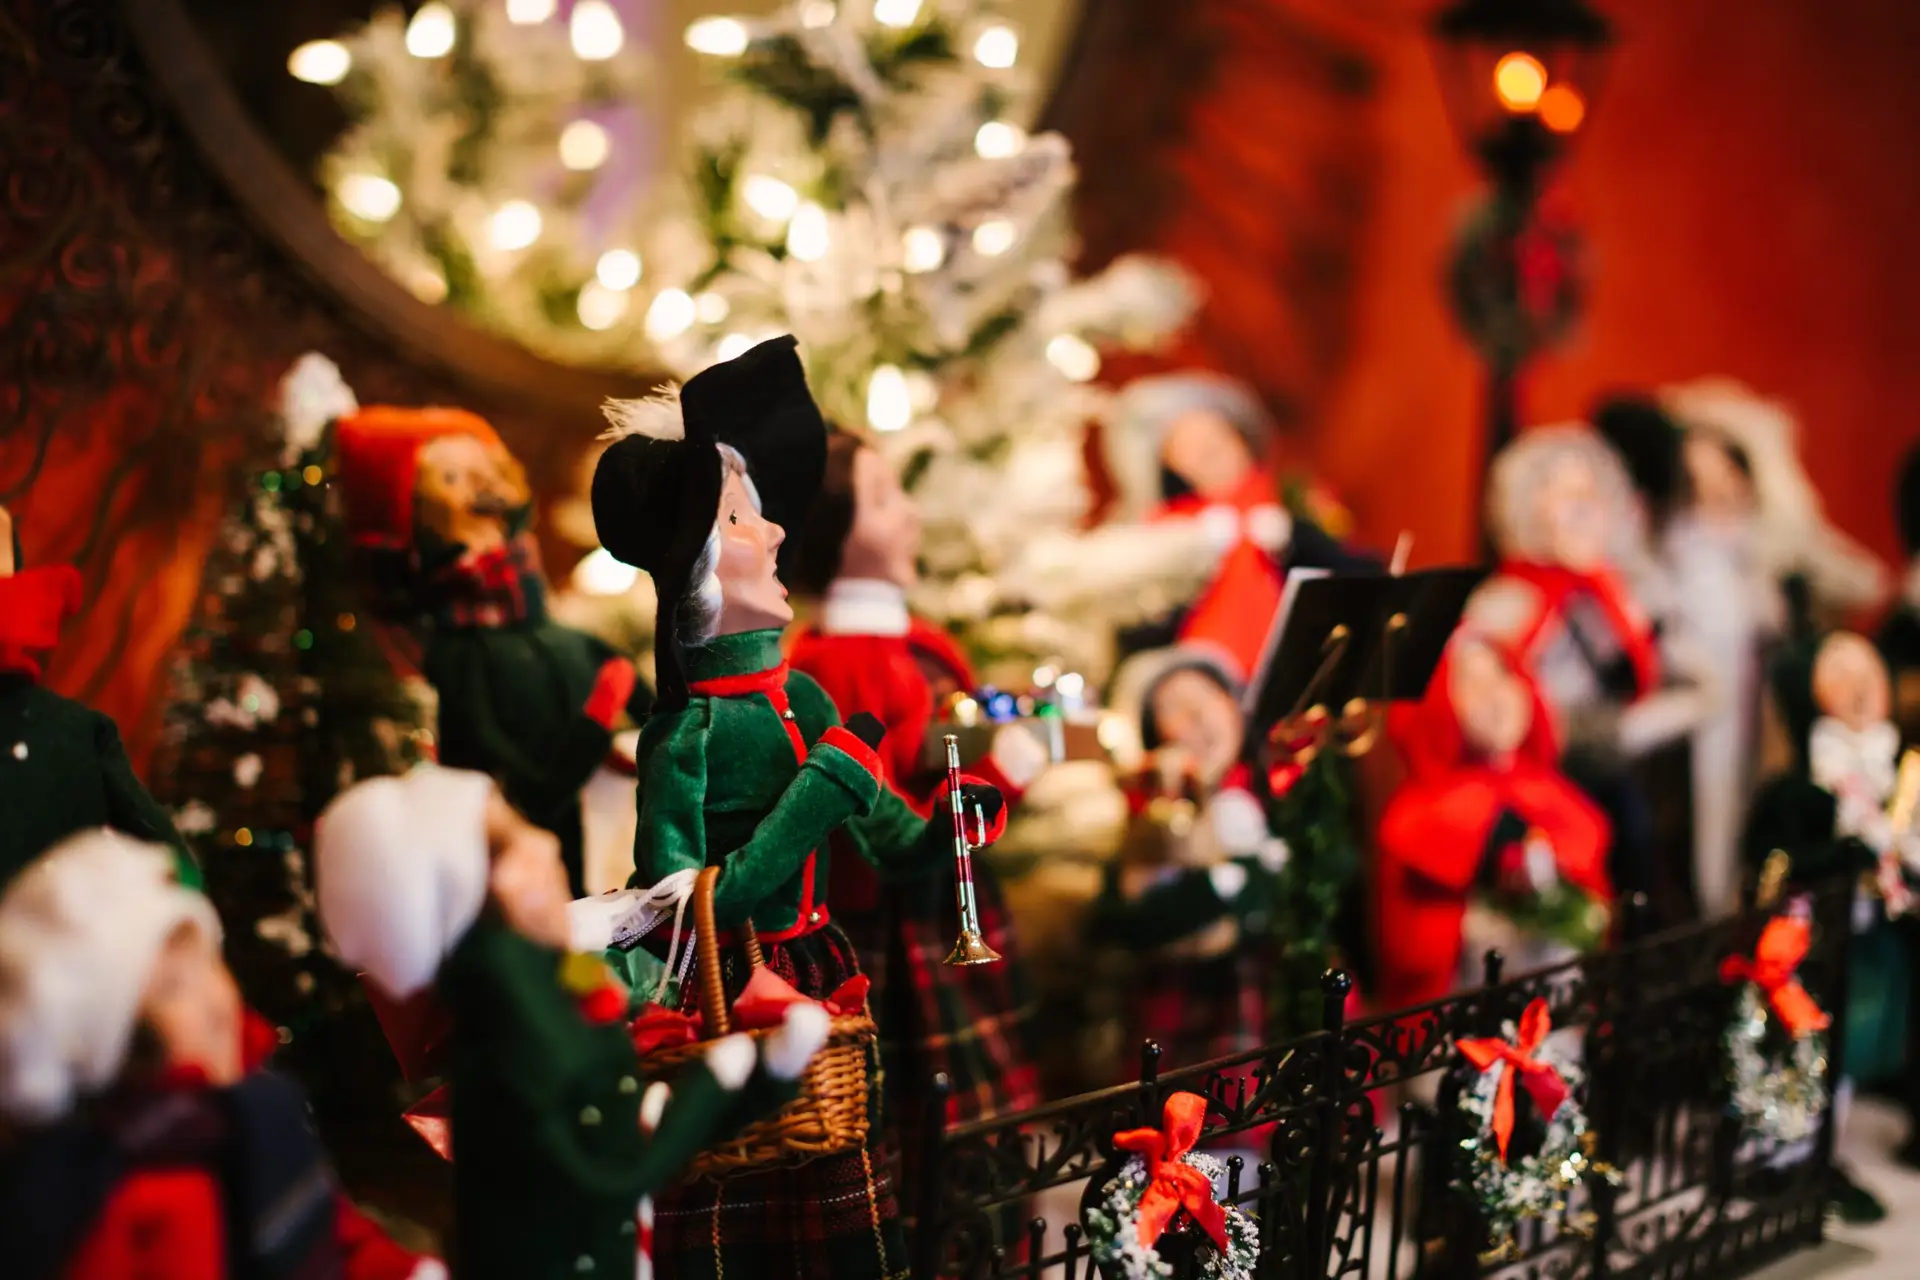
x: 279, y: 697
x: 858, y: 178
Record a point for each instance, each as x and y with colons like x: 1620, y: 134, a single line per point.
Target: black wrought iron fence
x: 1348, y: 1175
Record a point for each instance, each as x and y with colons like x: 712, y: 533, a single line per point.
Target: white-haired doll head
x: 1560, y: 496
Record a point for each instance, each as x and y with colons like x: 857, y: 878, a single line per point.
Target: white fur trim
x: 1274, y: 855
x: 864, y: 607
x: 656, y: 416
x: 428, y: 1269
x: 1228, y: 878
x: 1219, y: 526
x: 1239, y: 823
x: 653, y: 1104
x: 788, y: 1050
x: 1270, y: 528
x: 731, y: 1060
x: 80, y: 929
x: 401, y: 865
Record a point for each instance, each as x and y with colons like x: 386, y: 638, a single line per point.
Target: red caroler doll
x: 857, y: 552
x: 1484, y: 806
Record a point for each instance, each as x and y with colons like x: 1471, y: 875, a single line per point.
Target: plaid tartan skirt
x: 835, y: 1218
x: 1197, y: 1010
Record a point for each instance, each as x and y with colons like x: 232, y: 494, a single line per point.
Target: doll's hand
x: 611, y: 689
x: 866, y: 726
x: 992, y: 806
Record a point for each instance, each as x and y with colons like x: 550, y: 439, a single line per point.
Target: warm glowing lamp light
x: 1518, y: 81
x: 1562, y: 109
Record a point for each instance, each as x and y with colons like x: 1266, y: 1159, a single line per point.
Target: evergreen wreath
x: 1164, y: 1178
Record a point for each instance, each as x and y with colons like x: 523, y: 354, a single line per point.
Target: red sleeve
x: 1438, y: 830
x: 365, y: 1251
x: 162, y: 1225
x: 875, y: 674
x: 1576, y: 828
x: 34, y: 604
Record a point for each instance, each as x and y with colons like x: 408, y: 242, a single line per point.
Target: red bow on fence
x: 1783, y: 945
x: 1174, y: 1184
x: 1542, y: 1081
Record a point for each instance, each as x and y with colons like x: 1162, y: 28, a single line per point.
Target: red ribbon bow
x: 1783, y: 945
x: 1175, y: 1185
x: 1542, y: 1081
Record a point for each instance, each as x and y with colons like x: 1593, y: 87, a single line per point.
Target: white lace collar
x: 864, y: 607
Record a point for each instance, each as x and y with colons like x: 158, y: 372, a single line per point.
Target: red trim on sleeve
x: 863, y: 755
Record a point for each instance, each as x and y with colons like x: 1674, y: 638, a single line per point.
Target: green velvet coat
x: 720, y: 785
x: 549, y: 1161
x: 62, y: 771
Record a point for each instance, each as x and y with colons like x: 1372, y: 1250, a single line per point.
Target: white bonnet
x: 1133, y: 685
x: 400, y: 866
x: 1522, y: 466
x: 1141, y: 414
x: 80, y: 929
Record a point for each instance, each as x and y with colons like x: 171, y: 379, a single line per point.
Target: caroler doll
x: 62, y: 768
x: 438, y: 507
x: 1484, y: 814
x: 857, y: 552
x: 147, y: 1139
x: 431, y: 881
x: 745, y: 766
x: 1900, y: 634
x: 1563, y: 521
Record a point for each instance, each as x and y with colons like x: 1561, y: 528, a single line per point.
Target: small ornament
x: 20, y: 751
x: 1165, y: 1177
x: 1780, y: 1094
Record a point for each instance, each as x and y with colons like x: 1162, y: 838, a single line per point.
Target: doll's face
x: 884, y: 539
x: 192, y: 1007
x: 1205, y: 450
x: 1491, y: 703
x: 1196, y: 715
x: 1572, y: 515
x: 752, y: 598
x: 1850, y: 681
x: 1721, y: 487
x: 466, y: 487
x: 526, y: 879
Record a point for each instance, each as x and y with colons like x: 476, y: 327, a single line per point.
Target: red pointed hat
x: 377, y: 460
x: 1233, y: 618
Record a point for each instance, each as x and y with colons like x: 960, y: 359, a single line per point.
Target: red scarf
x: 34, y: 604
x: 1559, y: 586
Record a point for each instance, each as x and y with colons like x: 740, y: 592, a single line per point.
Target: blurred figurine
x: 745, y: 766
x: 432, y: 881
x: 857, y: 552
x: 435, y: 494
x: 62, y: 768
x: 147, y: 1140
x: 1486, y: 844
x: 1900, y: 635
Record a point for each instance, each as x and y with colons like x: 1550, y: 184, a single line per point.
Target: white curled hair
x: 700, y: 607
x: 1522, y: 467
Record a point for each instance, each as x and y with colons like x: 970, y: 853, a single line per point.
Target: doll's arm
x: 1184, y: 905
x: 539, y: 777
x: 130, y: 809
x: 837, y: 781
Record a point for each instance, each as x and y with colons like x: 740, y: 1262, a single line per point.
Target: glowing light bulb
x: 1562, y: 109
x: 710, y: 307
x: 924, y: 249
x: 817, y: 13
x: 994, y: 237
x: 1071, y: 685
x: 671, y: 315
x: 368, y: 196
x: 584, y: 145
x: 998, y: 47
x: 599, y: 306
x: 807, y: 234
x: 771, y: 198
x: 426, y: 283
x: 889, y: 403
x: 718, y: 37
x: 595, y: 31
x: 996, y: 140
x: 524, y: 13
x: 599, y: 574
x: 618, y: 269
x: 896, y: 13
x: 1076, y: 361
x: 430, y: 34
x: 922, y: 391
x: 1044, y: 676
x: 1518, y: 81
x: 734, y: 344
x: 514, y: 225
x: 320, y: 62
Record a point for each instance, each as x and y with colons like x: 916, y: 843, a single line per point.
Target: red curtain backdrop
x: 1747, y: 189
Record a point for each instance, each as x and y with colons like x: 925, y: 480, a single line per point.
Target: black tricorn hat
x: 656, y: 490
x: 1907, y: 502
x: 1648, y: 441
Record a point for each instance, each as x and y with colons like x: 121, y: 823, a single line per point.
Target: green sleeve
x: 700, y: 1112
x: 537, y: 776
x: 1166, y: 912
x: 899, y: 843
x: 830, y: 788
x: 130, y: 809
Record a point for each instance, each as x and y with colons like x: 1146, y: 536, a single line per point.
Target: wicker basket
x: 829, y: 1116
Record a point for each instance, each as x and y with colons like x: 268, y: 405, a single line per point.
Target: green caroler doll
x: 434, y: 497
x: 62, y: 768
x: 433, y: 880
x: 745, y: 766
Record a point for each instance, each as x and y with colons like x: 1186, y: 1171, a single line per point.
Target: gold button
x: 589, y: 1115
x: 787, y: 714
x: 628, y: 1085
x: 813, y: 917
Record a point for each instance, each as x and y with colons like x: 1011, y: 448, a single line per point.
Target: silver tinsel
x: 1779, y: 1102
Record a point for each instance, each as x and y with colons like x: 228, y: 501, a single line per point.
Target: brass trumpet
x: 971, y: 947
